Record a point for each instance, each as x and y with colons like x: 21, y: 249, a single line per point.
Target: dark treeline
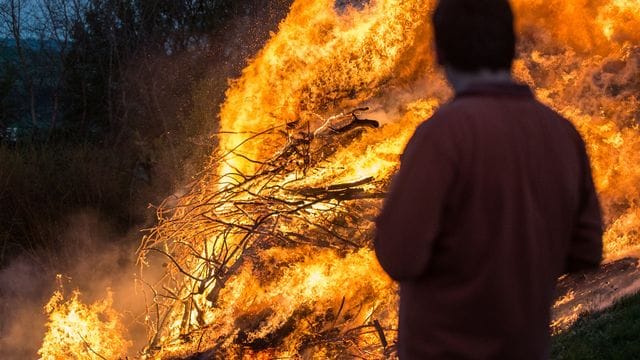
x: 106, y: 106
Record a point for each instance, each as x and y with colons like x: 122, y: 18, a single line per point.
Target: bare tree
x: 12, y: 19
x: 54, y: 22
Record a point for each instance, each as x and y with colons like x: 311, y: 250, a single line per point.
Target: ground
x: 610, y: 334
x: 597, y: 314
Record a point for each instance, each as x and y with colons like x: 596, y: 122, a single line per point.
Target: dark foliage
x: 112, y: 110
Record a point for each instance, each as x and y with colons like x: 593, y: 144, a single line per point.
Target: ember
x: 269, y: 254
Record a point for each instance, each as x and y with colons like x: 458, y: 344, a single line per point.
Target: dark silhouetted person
x: 494, y: 200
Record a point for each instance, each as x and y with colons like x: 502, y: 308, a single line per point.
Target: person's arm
x: 411, y: 216
x: 585, y: 249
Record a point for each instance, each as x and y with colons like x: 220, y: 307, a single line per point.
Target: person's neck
x: 461, y: 80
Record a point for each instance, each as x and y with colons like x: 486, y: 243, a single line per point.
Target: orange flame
x: 78, y: 331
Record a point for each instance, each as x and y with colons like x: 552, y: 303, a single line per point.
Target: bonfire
x: 269, y: 254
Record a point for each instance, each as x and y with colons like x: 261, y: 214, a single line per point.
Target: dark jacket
x: 494, y: 200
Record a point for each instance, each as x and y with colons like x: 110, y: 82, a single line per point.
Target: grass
x: 610, y: 334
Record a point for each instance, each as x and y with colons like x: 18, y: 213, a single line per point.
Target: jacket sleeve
x: 411, y: 216
x: 585, y: 249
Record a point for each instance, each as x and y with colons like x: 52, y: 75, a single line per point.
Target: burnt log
x: 344, y: 191
x: 343, y: 123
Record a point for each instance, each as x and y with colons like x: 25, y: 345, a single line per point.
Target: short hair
x: 472, y: 35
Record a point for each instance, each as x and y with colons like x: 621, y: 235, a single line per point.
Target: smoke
x: 95, y: 259
x: 343, y: 5
x: 22, y: 290
x: 392, y: 104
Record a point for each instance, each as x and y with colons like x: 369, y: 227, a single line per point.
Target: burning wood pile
x: 269, y: 253
x: 246, y: 221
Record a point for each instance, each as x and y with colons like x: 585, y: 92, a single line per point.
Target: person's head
x: 474, y: 35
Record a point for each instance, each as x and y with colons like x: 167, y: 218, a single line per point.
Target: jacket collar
x: 496, y: 89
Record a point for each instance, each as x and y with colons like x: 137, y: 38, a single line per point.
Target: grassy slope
x: 611, y: 334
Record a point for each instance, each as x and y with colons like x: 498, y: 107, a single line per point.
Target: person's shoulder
x: 444, y: 117
x: 445, y: 122
x: 559, y: 120
x: 454, y: 109
x: 439, y: 130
